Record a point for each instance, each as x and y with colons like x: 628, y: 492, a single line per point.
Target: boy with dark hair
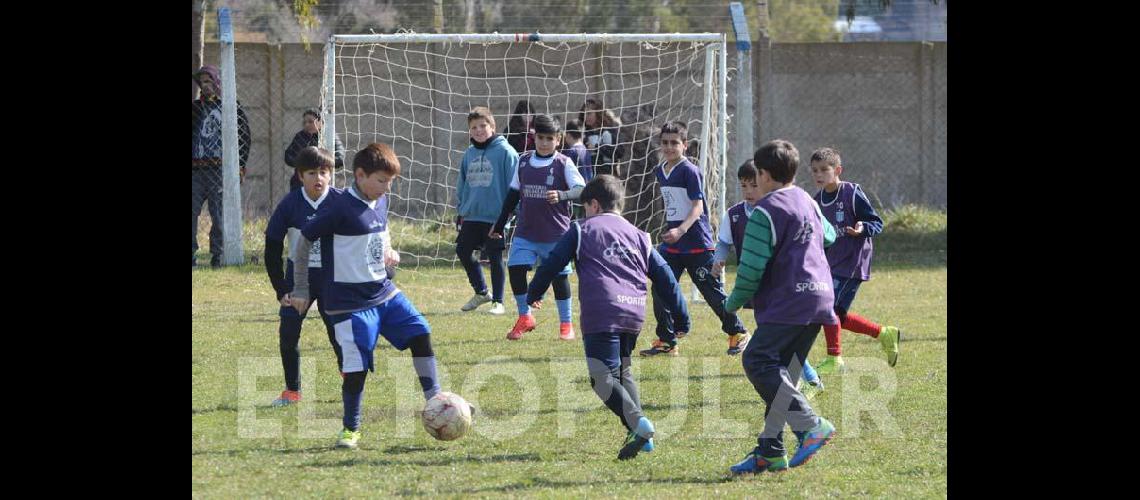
x: 784, y: 274
x: 613, y: 259
x: 362, y: 302
x: 847, y: 208
x: 544, y: 184
x: 688, y: 243
x: 314, y: 168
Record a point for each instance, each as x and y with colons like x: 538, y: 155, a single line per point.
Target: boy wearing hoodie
x: 485, y: 176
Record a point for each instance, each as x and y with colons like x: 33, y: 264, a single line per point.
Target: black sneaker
x: 660, y: 347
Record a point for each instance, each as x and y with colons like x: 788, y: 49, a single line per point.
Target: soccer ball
x: 446, y: 416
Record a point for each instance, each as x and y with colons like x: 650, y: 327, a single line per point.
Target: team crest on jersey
x: 805, y: 231
x: 375, y: 249
x: 735, y: 218
x: 616, y: 252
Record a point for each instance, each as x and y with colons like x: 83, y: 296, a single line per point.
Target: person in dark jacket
x: 206, y: 162
x: 519, y: 132
x: 309, y: 135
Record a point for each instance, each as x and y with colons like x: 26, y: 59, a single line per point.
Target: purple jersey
x: 737, y: 218
x: 850, y: 256
x: 679, y: 190
x: 612, y: 265
x: 796, y: 286
x: 538, y: 220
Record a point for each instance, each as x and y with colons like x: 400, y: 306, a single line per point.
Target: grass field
x: 539, y: 430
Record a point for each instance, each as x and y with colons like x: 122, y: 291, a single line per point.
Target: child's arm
x: 509, y: 205
x: 576, y: 182
x: 757, y: 250
x: 461, y: 185
x: 867, y: 221
x: 274, y: 248
x: 669, y: 290
x: 555, y: 262
x: 723, y: 245
x: 320, y: 226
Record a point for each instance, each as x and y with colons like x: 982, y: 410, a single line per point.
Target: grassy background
x: 706, y: 412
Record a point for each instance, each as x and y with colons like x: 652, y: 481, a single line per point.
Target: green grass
x: 235, y: 330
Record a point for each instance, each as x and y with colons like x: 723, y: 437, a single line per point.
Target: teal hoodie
x: 485, y: 178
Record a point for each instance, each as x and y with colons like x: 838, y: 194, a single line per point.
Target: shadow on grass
x: 436, y: 461
x: 538, y: 482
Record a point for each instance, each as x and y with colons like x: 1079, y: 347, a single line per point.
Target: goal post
x: 413, y: 91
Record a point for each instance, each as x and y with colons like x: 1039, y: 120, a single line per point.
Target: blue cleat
x: 648, y: 446
x: 637, y: 439
x: 811, y: 441
x: 754, y: 463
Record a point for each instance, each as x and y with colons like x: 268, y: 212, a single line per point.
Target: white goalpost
x: 413, y: 92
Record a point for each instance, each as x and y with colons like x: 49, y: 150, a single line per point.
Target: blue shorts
x: 397, y: 320
x: 529, y: 253
x: 845, y: 289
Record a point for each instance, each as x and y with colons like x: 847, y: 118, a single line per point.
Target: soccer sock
x: 831, y: 333
x: 352, y: 393
x: 520, y: 301
x: 518, y: 287
x: 423, y: 359
x: 561, y: 287
x: 858, y: 324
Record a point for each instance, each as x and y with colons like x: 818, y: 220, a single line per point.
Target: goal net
x: 413, y: 92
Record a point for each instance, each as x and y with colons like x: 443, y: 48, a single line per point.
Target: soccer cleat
x: 811, y: 441
x: 348, y: 439
x: 889, y: 337
x: 637, y: 439
x: 524, y: 324
x: 736, y: 343
x: 648, y: 446
x: 831, y: 364
x: 566, y: 331
x: 497, y: 309
x: 476, y: 301
x: 659, y: 347
x: 754, y: 463
x: 287, y: 398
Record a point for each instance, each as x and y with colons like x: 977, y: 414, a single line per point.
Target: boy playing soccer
x: 784, y: 273
x: 361, y: 301
x: 731, y: 235
x: 849, y: 210
x: 314, y: 173
x: 485, y: 176
x: 613, y: 259
x: 545, y: 182
x: 688, y: 243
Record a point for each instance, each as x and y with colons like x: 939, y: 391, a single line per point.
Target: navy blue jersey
x: 292, y: 213
x: 354, y: 236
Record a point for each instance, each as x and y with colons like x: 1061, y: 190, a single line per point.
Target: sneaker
x: 890, y: 337
x: 637, y: 439
x: 648, y: 446
x: 811, y: 441
x: 287, y: 398
x: 524, y: 324
x: 497, y: 309
x: 347, y: 439
x: 831, y: 364
x: 659, y: 347
x: 476, y: 301
x: 737, y: 343
x: 566, y: 331
x: 754, y: 463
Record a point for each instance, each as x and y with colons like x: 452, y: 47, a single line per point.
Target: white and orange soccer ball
x: 446, y: 416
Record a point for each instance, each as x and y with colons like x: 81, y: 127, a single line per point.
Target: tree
x: 803, y: 20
